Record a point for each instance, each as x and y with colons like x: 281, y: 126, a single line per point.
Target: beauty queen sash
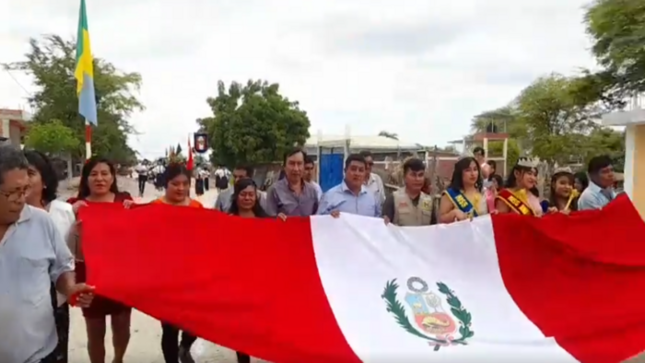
x: 514, y: 203
x: 461, y: 202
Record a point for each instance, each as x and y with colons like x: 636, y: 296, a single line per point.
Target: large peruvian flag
x: 321, y: 290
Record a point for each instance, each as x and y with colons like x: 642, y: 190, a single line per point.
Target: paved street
x: 145, y: 344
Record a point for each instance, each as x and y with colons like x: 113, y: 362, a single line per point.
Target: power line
x: 17, y: 82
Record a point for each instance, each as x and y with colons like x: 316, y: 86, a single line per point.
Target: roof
x: 363, y: 142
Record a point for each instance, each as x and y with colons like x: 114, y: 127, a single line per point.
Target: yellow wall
x: 638, y: 191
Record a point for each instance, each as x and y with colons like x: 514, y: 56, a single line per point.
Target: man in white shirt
x: 33, y: 254
x: 373, y: 182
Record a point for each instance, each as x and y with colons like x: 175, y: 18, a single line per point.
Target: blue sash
x: 461, y: 202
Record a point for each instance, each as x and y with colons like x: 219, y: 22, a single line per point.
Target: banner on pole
x: 201, y: 142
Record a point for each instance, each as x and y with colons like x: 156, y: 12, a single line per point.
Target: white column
x: 630, y: 149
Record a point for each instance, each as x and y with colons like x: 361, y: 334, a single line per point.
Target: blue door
x: 331, y: 170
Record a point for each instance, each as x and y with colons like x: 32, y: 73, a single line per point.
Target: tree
x: 253, y: 124
x: 556, y: 122
x: 51, y: 137
x: 617, y: 28
x: 605, y: 141
x: 389, y: 135
x: 496, y: 148
x: 51, y: 61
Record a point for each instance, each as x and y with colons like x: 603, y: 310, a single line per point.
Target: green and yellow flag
x: 84, y: 72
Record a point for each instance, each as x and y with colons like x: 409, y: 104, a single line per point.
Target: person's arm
x: 447, y: 211
x: 378, y: 212
x: 272, y: 202
x: 501, y: 207
x: 388, y: 208
x: 381, y: 189
x: 61, y: 271
x: 323, y: 206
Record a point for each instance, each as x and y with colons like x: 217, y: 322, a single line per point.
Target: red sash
x: 514, y: 203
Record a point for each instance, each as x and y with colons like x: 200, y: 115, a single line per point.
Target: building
x: 13, y: 125
x: 633, y: 118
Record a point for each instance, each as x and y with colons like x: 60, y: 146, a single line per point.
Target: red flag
x: 190, y: 163
x: 317, y: 290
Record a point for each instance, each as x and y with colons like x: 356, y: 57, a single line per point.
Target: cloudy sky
x: 419, y: 68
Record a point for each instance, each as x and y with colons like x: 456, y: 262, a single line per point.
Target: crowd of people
x: 38, y: 280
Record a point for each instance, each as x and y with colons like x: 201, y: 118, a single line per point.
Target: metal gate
x: 331, y: 169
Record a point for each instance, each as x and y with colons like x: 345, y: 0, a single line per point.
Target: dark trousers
x: 206, y: 184
x: 243, y: 358
x: 52, y: 358
x: 170, y: 342
x: 61, y: 317
x: 143, y: 179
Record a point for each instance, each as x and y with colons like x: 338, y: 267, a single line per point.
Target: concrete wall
x: 638, y: 186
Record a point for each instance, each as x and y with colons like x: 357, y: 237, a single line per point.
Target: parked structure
x: 13, y: 125
x: 633, y: 118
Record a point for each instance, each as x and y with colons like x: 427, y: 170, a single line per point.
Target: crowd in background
x: 29, y: 210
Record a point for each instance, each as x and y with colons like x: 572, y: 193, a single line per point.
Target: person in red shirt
x: 98, y: 185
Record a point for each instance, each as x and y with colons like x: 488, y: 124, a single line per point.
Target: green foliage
x: 555, y: 119
x: 51, y: 62
x: 605, y: 141
x: 253, y: 124
x: 51, y: 137
x: 617, y: 29
x: 496, y: 149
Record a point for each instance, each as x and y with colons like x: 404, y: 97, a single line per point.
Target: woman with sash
x: 563, y: 197
x: 463, y: 199
x: 517, y: 196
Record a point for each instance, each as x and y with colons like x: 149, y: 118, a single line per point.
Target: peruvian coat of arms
x: 430, y: 320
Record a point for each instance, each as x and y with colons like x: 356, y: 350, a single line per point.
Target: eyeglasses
x: 16, y: 195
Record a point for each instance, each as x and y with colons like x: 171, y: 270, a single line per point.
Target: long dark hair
x: 583, y: 178
x: 239, y: 186
x: 511, y: 181
x: 48, y: 175
x: 84, y: 188
x: 457, y: 182
x: 174, y: 170
x: 552, y: 197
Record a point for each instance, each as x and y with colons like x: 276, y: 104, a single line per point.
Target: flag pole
x: 88, y: 140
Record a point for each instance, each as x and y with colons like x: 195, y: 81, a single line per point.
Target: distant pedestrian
x: 221, y: 179
x: 206, y: 176
x: 142, y: 173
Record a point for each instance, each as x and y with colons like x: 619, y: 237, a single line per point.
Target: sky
x: 418, y: 68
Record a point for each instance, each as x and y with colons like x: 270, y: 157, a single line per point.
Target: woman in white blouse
x: 44, y: 185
